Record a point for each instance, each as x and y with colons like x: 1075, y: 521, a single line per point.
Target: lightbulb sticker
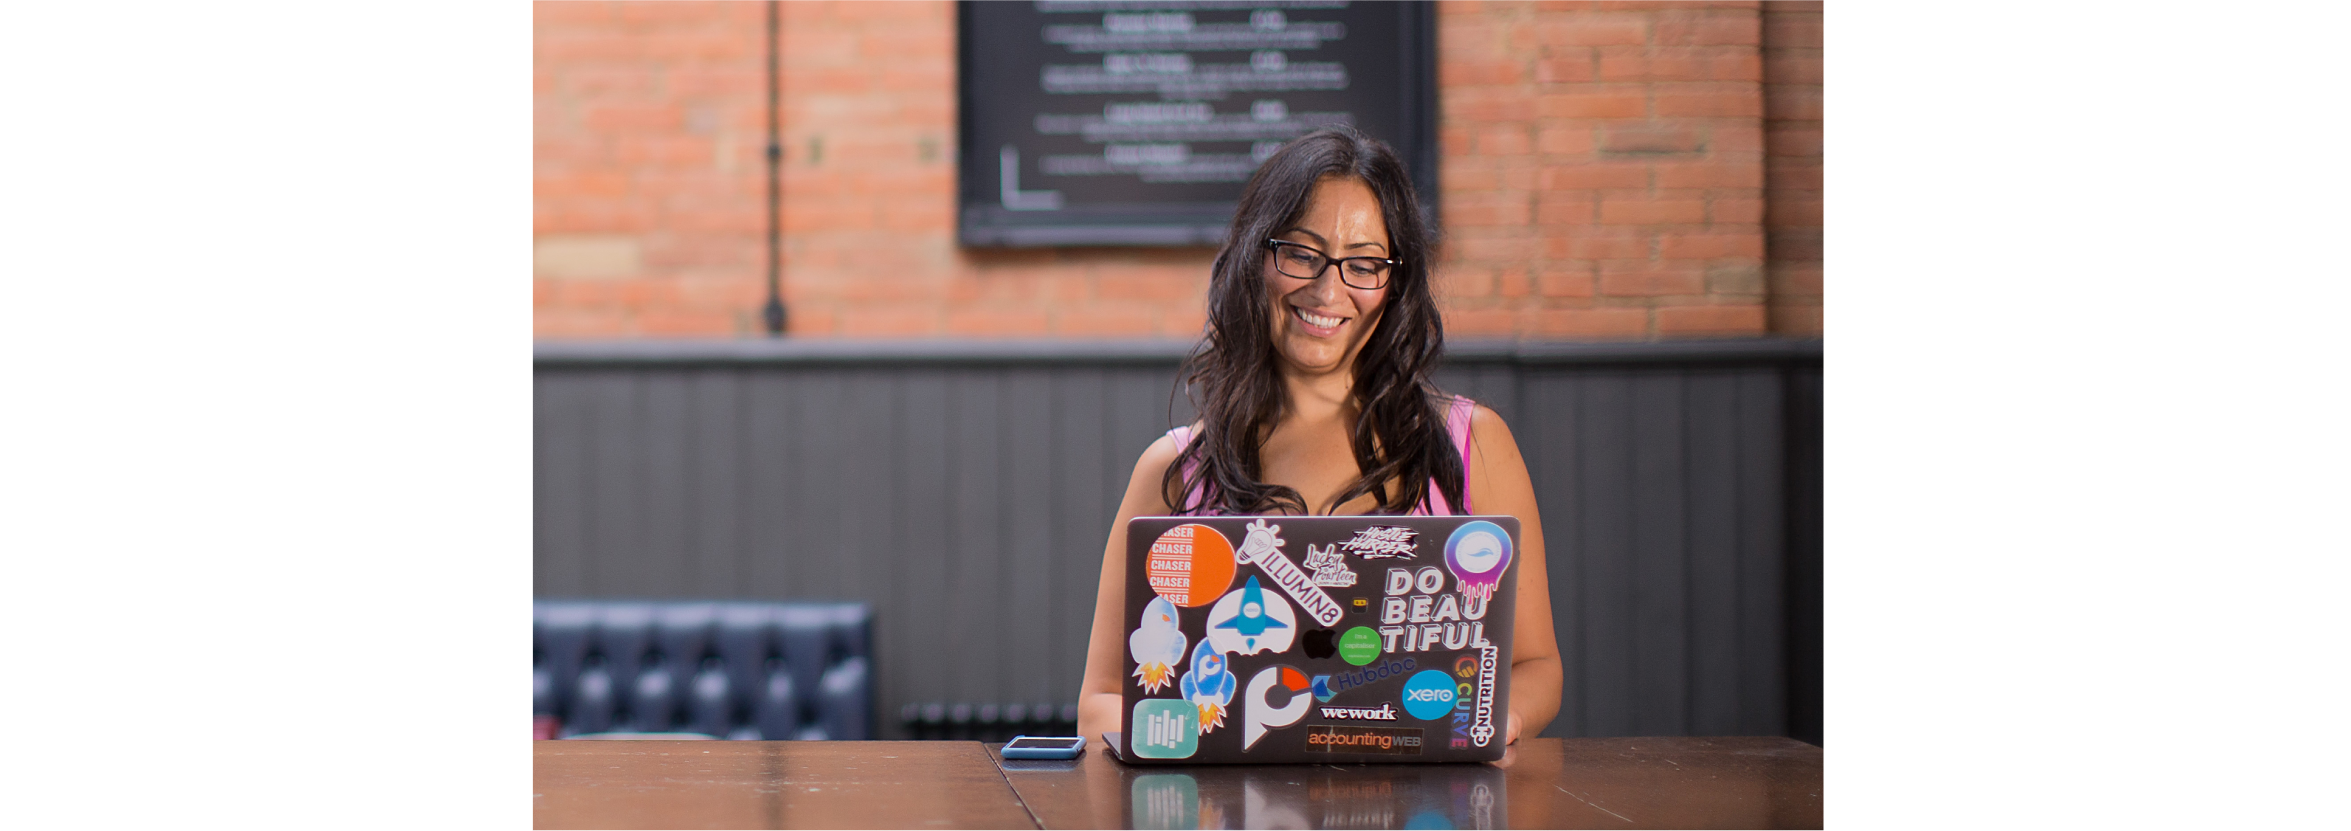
x: 1157, y: 645
x: 1190, y: 565
x: 1477, y: 554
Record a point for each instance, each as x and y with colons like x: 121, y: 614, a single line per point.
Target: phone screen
x: 1044, y: 744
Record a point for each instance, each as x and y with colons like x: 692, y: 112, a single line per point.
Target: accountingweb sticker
x: 1348, y: 738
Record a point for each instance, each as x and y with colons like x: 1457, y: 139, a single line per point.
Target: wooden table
x: 1541, y: 783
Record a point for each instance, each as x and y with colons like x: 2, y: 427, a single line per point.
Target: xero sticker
x: 1429, y: 695
x: 1190, y: 565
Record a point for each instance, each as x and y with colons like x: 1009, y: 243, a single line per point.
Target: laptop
x: 1339, y: 640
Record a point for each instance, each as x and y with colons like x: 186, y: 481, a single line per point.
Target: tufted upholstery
x: 736, y: 670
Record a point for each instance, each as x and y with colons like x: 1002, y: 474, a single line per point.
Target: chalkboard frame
x: 976, y: 178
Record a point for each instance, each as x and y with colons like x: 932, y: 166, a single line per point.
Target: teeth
x: 1319, y: 320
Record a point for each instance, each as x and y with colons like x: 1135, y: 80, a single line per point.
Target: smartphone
x: 1044, y: 747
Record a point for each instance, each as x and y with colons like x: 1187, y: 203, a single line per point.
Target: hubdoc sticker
x: 1348, y: 738
x: 1190, y: 565
x: 1263, y: 548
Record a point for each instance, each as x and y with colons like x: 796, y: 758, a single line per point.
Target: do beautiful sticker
x: 1190, y: 565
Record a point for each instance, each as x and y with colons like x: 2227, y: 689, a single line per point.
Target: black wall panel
x: 965, y: 488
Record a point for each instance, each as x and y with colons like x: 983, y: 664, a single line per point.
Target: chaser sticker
x: 1157, y: 645
x: 1264, y: 549
x: 1348, y: 738
x: 1190, y: 565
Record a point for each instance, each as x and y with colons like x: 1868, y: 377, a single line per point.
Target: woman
x: 1315, y: 398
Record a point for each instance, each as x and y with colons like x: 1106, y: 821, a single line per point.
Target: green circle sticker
x: 1360, y: 645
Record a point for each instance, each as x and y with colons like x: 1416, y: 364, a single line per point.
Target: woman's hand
x: 1513, y: 729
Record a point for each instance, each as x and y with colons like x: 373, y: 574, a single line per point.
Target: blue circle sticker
x: 1429, y: 695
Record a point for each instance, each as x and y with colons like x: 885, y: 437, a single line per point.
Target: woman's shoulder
x: 1163, y: 452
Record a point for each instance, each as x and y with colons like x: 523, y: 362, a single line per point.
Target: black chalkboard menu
x: 1136, y: 123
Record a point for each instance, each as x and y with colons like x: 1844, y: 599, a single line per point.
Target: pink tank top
x: 1456, y: 423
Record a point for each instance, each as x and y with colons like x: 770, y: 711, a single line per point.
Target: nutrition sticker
x: 1190, y: 565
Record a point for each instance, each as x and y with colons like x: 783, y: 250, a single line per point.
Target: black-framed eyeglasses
x: 1305, y: 263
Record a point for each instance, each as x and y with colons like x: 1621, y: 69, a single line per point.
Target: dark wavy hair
x: 1399, y: 438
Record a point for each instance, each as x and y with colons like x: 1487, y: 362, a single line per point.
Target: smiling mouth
x: 1316, y: 321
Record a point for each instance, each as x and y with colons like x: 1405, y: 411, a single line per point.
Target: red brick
x: 1789, y: 139
x: 1595, y: 175
x: 1796, y: 318
x: 1563, y: 208
x: 1651, y: 140
x: 1592, y: 105
x: 1581, y: 31
x: 1680, y: 64
x: 1504, y: 140
x: 1638, y: 279
x: 1565, y: 282
x: 1618, y: 322
x: 1511, y: 282
x: 1479, y: 71
x: 1734, y: 210
x: 1642, y: 210
x: 1710, y: 320
x: 1705, y: 246
x: 1487, y: 321
x: 619, y: 118
x: 869, y: 320
x: 1789, y: 102
x: 1563, y: 140
x: 1598, y: 244
x: 1573, y: 67
x: 1743, y: 104
x: 1709, y: 175
x: 1106, y: 320
x: 1710, y: 29
x: 1793, y: 280
x: 1791, y: 30
x: 997, y: 320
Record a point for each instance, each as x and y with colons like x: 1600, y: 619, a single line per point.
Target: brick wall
x: 1791, y: 170
x: 1603, y: 175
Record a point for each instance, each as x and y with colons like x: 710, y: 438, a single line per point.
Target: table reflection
x: 1317, y: 796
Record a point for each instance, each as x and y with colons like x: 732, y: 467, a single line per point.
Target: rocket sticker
x: 1208, y: 686
x: 1157, y: 645
x: 1477, y: 554
x: 1250, y: 621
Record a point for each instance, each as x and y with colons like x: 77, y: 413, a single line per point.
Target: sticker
x: 1190, y: 565
x: 1166, y: 801
x: 1360, y: 605
x: 1465, y: 668
x: 1249, y: 621
x: 1483, y: 731
x: 1259, y: 713
x: 1348, y: 738
x: 1264, y: 549
x: 1417, y: 618
x: 1157, y: 645
x: 1360, y: 646
x: 1381, y: 542
x: 1478, y: 553
x: 1164, y: 728
x: 1429, y: 695
x: 1326, y: 686
x: 1209, y: 686
x: 1330, y: 569
x: 1384, y: 712
x: 1321, y: 643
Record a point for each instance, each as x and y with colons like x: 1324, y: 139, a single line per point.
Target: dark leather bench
x: 728, y: 669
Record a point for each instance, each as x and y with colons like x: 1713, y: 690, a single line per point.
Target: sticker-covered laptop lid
x: 1318, y: 639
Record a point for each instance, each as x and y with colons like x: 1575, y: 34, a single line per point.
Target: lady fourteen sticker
x: 1190, y: 565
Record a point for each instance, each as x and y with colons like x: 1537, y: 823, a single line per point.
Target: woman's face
x: 1320, y: 323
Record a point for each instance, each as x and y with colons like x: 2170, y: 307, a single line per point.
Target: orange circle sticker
x: 1190, y: 565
